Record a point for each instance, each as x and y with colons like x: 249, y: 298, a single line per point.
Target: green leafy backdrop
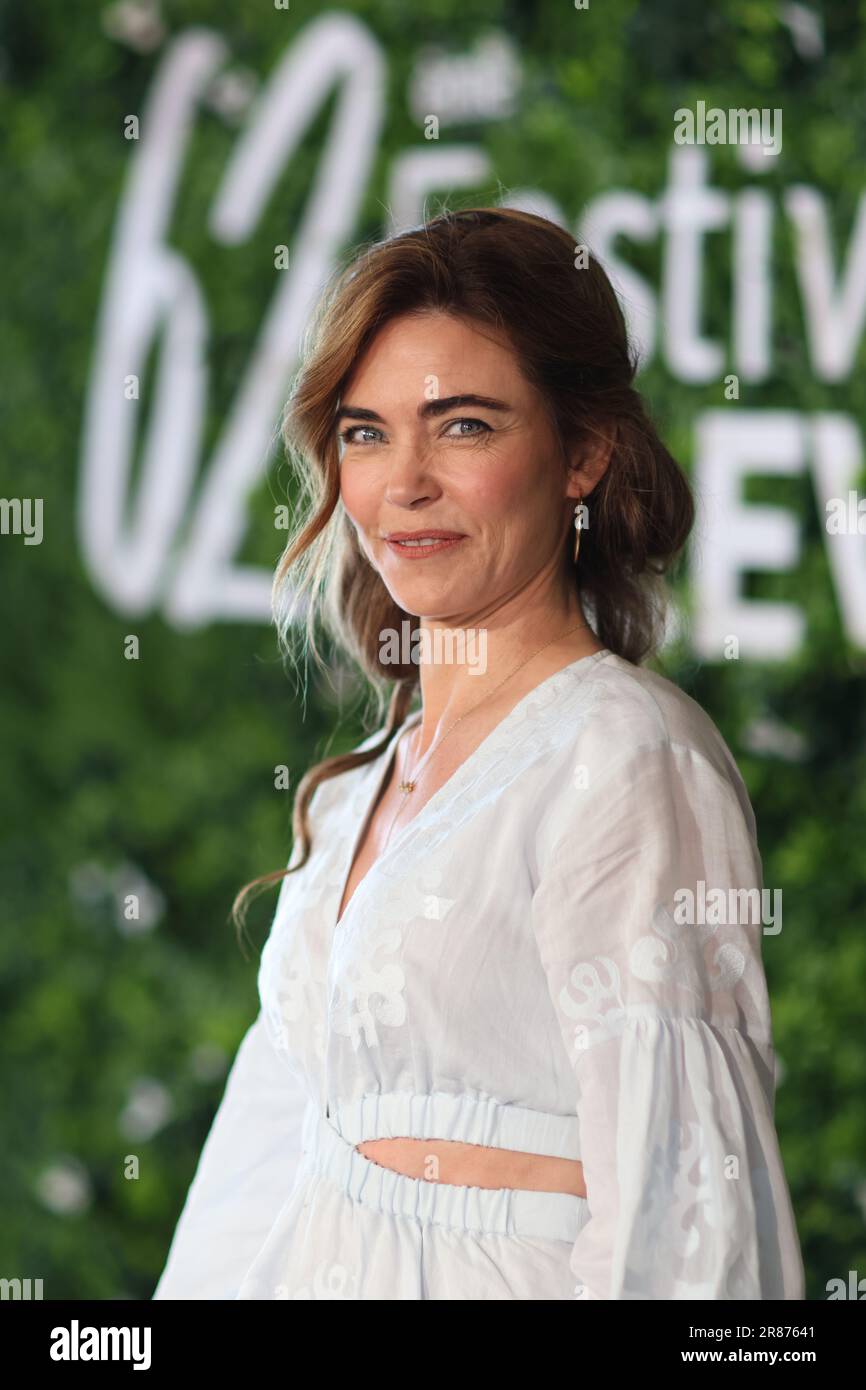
x: 160, y: 771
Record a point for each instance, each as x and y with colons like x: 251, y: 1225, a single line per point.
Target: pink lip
x: 436, y: 532
x: 419, y: 552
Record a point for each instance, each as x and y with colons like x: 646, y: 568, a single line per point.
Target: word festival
x: 174, y: 541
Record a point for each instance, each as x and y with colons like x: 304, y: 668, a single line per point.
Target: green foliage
x: 166, y: 764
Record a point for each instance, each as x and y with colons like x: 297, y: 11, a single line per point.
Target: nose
x: 410, y: 478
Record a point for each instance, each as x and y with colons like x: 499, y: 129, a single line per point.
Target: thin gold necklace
x: 408, y: 785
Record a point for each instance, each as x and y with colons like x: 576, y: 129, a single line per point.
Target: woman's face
x: 415, y: 458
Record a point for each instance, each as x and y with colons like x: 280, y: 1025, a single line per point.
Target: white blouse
x: 560, y: 954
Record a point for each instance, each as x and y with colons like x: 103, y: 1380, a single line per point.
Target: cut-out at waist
x: 475, y: 1165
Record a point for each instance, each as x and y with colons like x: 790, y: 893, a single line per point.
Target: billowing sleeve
x: 649, y: 918
x: 245, y: 1173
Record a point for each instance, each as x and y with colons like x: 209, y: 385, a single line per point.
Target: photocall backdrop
x: 180, y: 180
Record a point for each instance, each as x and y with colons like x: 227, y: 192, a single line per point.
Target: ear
x: 589, y: 460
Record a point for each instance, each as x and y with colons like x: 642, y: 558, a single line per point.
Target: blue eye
x: 346, y: 434
x: 485, y: 428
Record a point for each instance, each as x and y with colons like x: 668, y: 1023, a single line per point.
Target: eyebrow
x: 429, y: 409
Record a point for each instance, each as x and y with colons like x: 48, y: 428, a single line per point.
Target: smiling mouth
x: 421, y: 546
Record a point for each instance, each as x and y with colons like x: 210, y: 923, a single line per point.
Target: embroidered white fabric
x: 561, y: 953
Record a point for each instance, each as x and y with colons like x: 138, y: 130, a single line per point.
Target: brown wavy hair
x: 514, y: 273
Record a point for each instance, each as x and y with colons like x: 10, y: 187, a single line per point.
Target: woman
x: 504, y: 1049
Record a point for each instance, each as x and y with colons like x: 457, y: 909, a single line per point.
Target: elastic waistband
x: 494, y: 1211
x: 462, y: 1117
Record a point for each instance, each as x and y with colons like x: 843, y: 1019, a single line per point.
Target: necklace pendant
x: 407, y: 787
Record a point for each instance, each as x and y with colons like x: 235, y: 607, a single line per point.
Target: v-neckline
x: 447, y: 786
